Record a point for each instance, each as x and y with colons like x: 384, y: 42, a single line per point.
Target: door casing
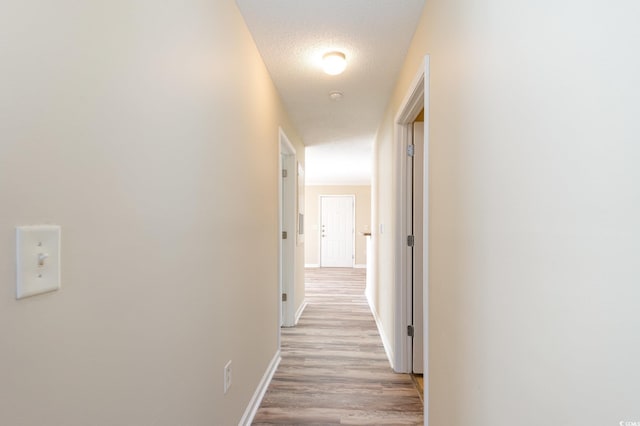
x: 416, y: 99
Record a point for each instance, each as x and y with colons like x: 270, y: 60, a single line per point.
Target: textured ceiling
x: 292, y: 36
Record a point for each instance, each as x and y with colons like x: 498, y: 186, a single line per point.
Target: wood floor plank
x: 334, y: 369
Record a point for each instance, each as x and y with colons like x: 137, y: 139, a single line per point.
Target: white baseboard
x: 300, y: 311
x: 311, y: 265
x: 360, y: 266
x: 256, y: 399
x: 385, y: 340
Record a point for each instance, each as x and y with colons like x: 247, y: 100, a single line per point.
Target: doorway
x: 337, y: 231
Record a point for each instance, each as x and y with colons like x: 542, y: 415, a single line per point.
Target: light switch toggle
x: 41, y: 258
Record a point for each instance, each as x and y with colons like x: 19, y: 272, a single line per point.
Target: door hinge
x: 284, y: 173
x: 410, y: 330
x: 411, y: 150
x: 411, y: 240
x: 284, y: 235
x: 284, y: 297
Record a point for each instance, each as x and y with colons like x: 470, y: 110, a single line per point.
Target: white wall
x: 535, y: 211
x: 362, y: 194
x: 121, y: 123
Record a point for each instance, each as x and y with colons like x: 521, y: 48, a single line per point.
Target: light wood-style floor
x: 334, y: 369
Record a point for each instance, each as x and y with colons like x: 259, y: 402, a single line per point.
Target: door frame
x: 416, y: 99
x: 286, y: 222
x: 353, y: 234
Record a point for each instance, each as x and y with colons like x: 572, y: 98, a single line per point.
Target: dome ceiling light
x: 334, y: 63
x: 335, y: 95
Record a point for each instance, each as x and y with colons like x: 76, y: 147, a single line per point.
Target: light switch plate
x: 38, y: 260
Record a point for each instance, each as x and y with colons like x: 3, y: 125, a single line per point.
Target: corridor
x: 334, y: 369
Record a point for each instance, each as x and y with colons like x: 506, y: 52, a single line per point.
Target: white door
x: 418, y: 247
x: 336, y: 231
x: 287, y: 196
x: 283, y: 213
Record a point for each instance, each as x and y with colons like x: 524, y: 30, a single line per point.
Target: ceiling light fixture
x: 333, y: 63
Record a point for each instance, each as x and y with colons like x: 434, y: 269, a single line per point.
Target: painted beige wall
x: 149, y: 132
x: 312, y: 218
x: 535, y: 207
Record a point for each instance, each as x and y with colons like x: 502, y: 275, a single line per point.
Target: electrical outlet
x: 227, y: 377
